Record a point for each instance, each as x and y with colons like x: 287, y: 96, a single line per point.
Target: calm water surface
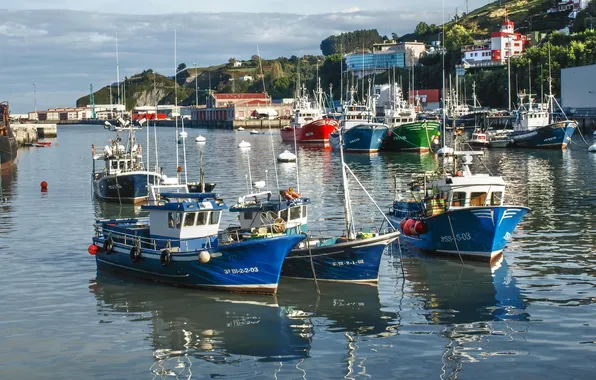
x: 531, y: 315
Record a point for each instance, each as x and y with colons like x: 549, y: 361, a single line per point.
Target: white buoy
x: 445, y: 151
x: 244, y: 144
x: 200, y: 138
x: 204, y: 257
x: 183, y: 134
x: 286, y: 156
x: 254, y: 132
x: 240, y: 129
x: 592, y: 148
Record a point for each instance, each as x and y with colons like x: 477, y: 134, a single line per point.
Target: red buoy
x: 44, y: 185
x: 420, y: 227
x: 402, y: 223
x: 408, y: 226
x: 92, y: 249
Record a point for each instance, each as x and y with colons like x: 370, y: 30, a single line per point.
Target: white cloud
x: 64, y: 51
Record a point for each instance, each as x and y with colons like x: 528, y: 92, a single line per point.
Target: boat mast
x: 176, y: 108
x: 351, y: 233
x: 443, y: 72
x: 550, y: 88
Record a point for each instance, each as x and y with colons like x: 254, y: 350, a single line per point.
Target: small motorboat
x: 254, y: 132
x: 499, y: 140
x: 244, y: 144
x: 200, y: 139
x: 286, y: 156
x: 478, y: 139
x: 240, y: 129
x: 445, y: 151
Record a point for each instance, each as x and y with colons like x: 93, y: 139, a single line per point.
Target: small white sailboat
x: 200, y: 139
x: 286, y: 156
x: 254, y: 132
x: 244, y: 144
x: 240, y: 129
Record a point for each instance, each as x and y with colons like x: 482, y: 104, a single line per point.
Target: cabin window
x: 477, y: 199
x: 174, y: 219
x: 459, y: 198
x: 247, y: 215
x: 215, y: 217
x: 114, y: 164
x: 295, y: 213
x: 189, y: 219
x: 284, y: 214
x: 202, y: 218
x: 496, y: 198
x: 121, y: 165
x: 304, y: 211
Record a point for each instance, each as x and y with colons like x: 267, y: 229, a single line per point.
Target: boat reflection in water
x: 107, y: 210
x: 479, y: 309
x: 254, y: 335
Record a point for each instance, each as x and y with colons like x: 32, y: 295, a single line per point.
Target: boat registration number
x: 241, y: 270
x: 347, y: 262
x: 459, y: 237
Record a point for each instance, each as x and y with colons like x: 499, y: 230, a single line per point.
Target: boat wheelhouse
x: 180, y: 244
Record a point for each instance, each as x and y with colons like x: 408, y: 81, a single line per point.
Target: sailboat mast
x: 443, y: 72
x: 117, y: 69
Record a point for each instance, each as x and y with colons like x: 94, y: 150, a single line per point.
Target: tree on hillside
x: 458, y: 36
x: 394, y: 36
x: 276, y: 71
x: 350, y: 41
x: 181, y: 67
x: 254, y: 60
x: 231, y: 61
x: 421, y: 29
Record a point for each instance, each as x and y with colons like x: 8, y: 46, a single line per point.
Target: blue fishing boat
x: 460, y: 214
x: 534, y: 126
x: 353, y: 257
x: 179, y: 244
x: 361, y: 132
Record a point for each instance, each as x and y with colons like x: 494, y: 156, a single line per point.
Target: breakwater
x: 30, y: 133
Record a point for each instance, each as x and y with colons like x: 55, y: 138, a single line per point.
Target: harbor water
x: 531, y: 314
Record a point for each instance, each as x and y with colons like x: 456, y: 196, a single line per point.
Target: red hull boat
x: 315, y: 132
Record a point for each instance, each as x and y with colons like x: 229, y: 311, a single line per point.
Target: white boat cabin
x: 531, y: 115
x: 472, y: 191
x: 259, y: 210
x: 185, y: 216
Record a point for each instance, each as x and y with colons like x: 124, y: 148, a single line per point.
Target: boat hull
x: 413, y: 137
x: 8, y: 142
x: 316, y: 132
x: 352, y: 261
x: 479, y: 233
x: 366, y: 138
x: 129, y: 187
x: 552, y: 136
x: 252, y: 266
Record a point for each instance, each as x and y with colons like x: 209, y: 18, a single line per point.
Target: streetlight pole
x: 34, y: 98
x: 196, y: 86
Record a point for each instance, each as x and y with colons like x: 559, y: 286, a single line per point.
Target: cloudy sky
x: 64, y: 45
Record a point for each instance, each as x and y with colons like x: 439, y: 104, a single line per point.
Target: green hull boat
x: 412, y: 137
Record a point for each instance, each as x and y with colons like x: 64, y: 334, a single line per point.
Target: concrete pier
x: 30, y: 133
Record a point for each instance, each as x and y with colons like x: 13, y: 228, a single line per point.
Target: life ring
x: 165, y: 258
x: 135, y: 253
x: 108, y: 245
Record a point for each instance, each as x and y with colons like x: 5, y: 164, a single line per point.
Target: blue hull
x: 247, y: 266
x: 554, y: 136
x: 361, y: 138
x: 353, y: 261
x: 478, y: 232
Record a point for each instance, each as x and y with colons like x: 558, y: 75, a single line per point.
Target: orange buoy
x: 44, y: 186
x: 92, y: 249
